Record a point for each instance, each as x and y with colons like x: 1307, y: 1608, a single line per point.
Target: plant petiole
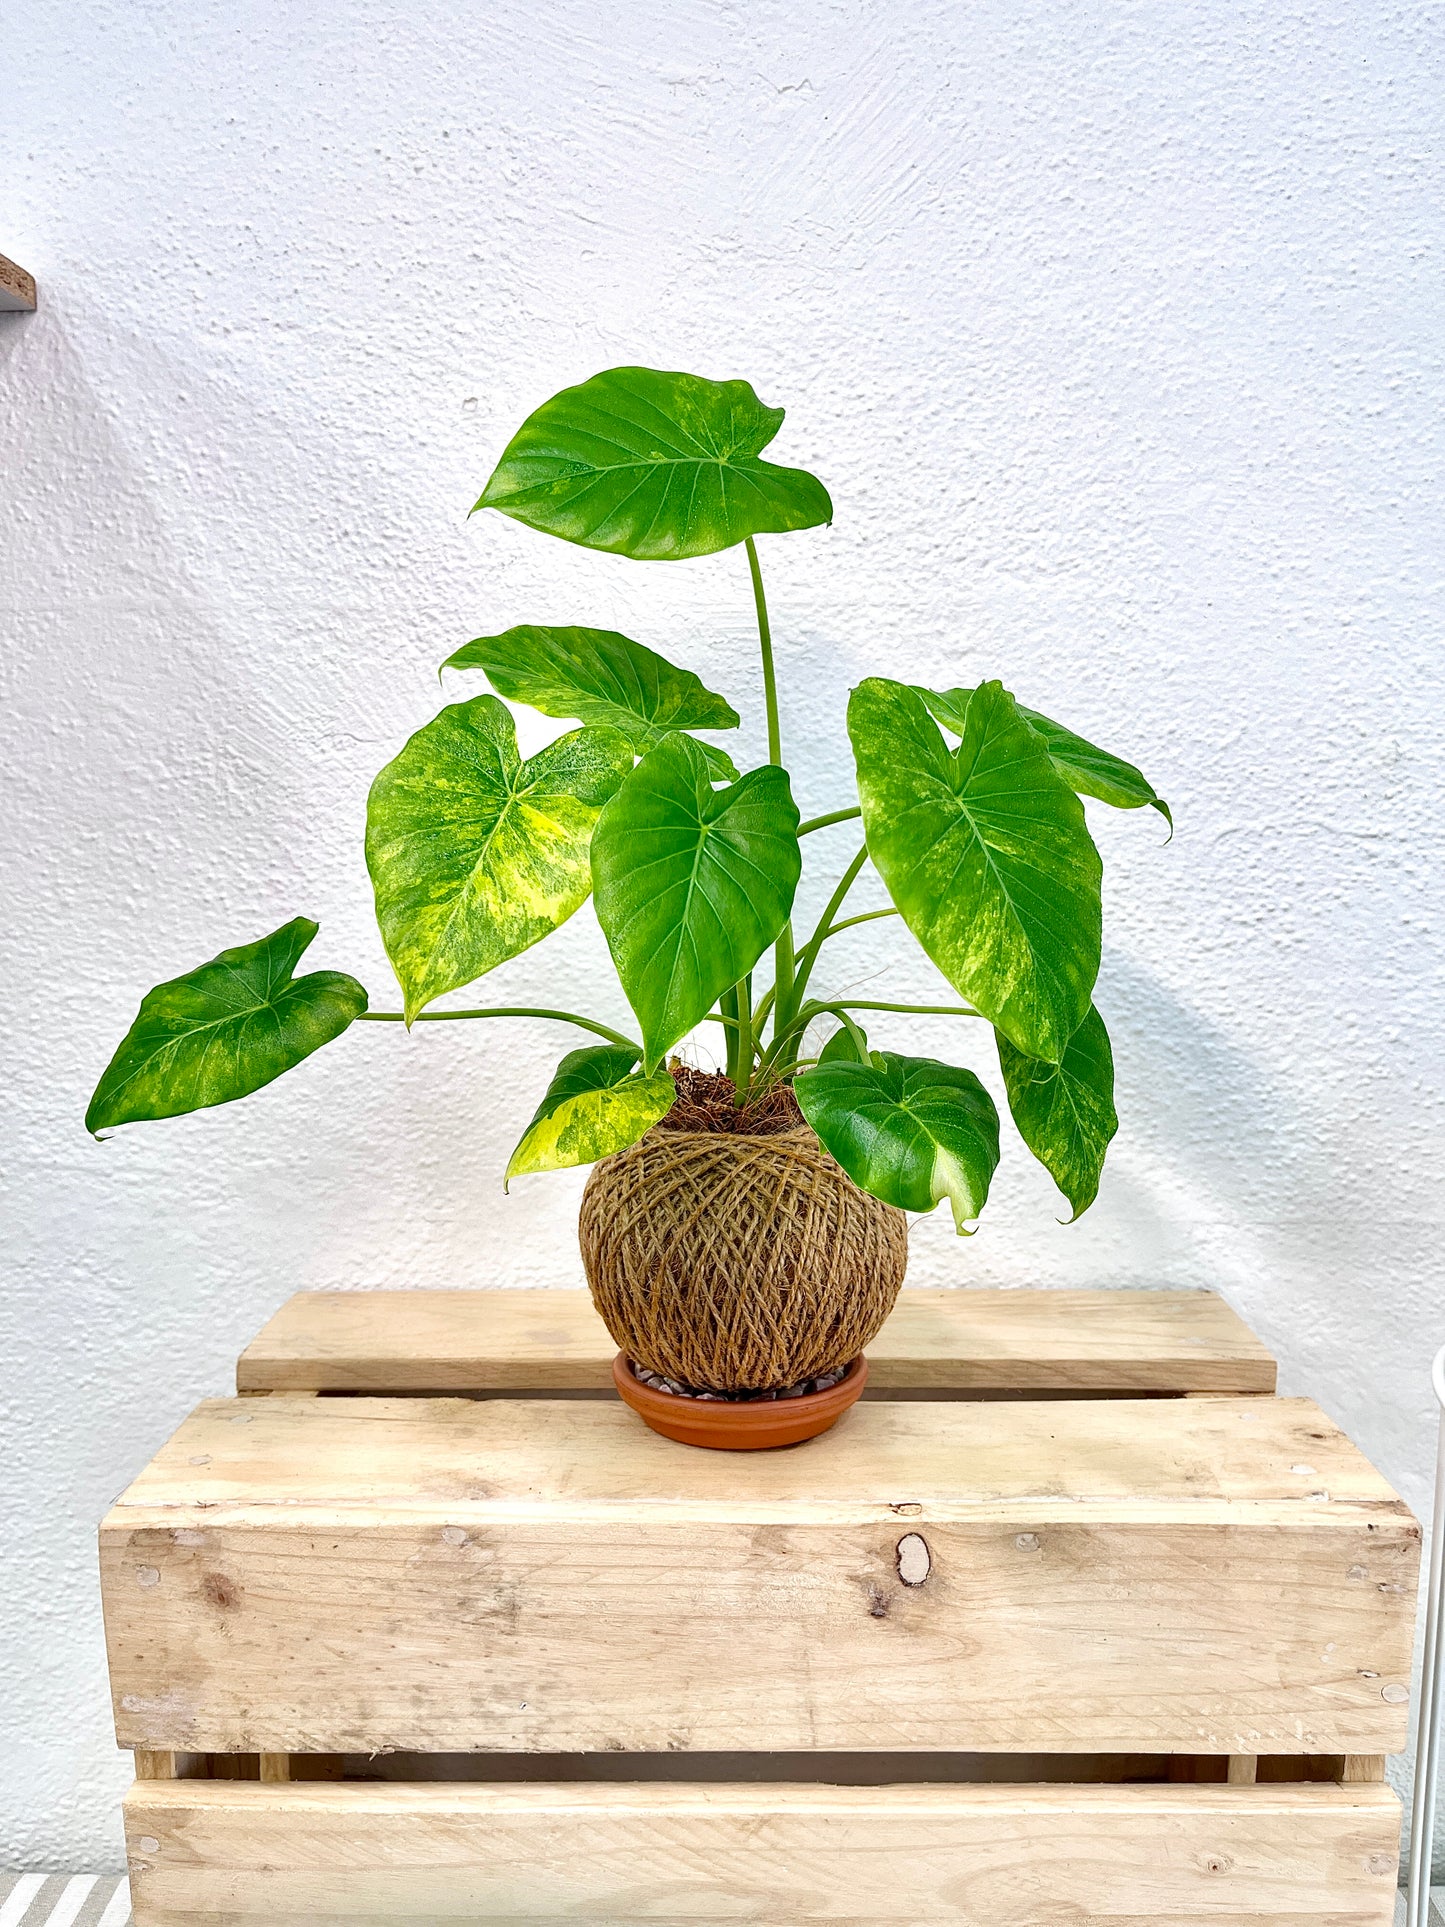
x: 822, y: 822
x: 918, y: 1010
x: 815, y: 943
x: 865, y: 916
x: 452, y: 1016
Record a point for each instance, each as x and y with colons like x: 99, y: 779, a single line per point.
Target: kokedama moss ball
x: 728, y: 1251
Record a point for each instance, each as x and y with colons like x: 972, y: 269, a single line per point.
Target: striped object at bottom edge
x: 69, y: 1900
x: 63, y: 1900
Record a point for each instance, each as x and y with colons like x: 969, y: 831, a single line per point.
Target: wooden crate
x: 1004, y: 1647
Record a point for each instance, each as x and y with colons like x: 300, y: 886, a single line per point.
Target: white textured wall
x: 1114, y: 330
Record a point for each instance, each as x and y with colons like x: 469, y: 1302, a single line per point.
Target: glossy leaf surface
x: 1087, y: 769
x: 653, y: 465
x: 597, y: 1103
x: 843, y: 1047
x: 909, y: 1130
x: 1094, y: 772
x: 1065, y: 1112
x: 692, y: 883
x: 474, y: 854
x: 598, y: 676
x: 986, y: 855
x: 224, y: 1030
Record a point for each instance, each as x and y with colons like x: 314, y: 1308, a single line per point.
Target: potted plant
x: 744, y: 1231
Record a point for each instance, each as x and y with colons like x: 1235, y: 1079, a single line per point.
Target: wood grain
x: 17, y: 288
x: 1218, y: 1576
x: 208, y: 1855
x: 530, y: 1341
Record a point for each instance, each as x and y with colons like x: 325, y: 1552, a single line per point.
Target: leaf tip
x: 1077, y: 1207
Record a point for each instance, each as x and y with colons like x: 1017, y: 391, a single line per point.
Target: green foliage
x: 598, y: 676
x: 692, y: 884
x: 1094, y: 772
x: 986, y: 855
x: 1085, y: 767
x: 476, y: 854
x: 655, y: 466
x: 223, y: 1030
x: 1065, y: 1112
x: 597, y: 1103
x: 847, y: 1045
x: 909, y: 1129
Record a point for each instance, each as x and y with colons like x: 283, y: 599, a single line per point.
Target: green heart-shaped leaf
x: 986, y: 855
x: 597, y: 1103
x: 692, y: 883
x: 1087, y: 769
x: 907, y: 1129
x: 223, y: 1030
x: 599, y: 676
x: 1094, y: 772
x: 652, y: 465
x: 1065, y: 1112
x: 846, y: 1046
x: 474, y: 854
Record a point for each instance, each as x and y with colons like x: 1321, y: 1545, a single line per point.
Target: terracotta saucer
x: 742, y: 1425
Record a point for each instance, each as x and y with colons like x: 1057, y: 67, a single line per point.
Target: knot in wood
x: 915, y: 1561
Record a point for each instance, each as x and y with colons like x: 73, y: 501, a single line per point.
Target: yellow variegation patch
x: 596, y: 1104
x: 986, y: 855
x: 908, y: 1129
x: 951, y: 1180
x: 1065, y: 1112
x: 475, y: 855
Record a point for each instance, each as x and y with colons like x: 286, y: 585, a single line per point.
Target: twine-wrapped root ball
x: 728, y: 1262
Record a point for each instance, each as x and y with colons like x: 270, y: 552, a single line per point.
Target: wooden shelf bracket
x: 17, y: 289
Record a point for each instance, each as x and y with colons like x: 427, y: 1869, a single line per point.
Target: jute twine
x: 731, y: 1262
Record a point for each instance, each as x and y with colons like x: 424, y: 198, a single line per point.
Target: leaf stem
x: 728, y: 1005
x: 783, y: 948
x: 860, y: 1042
x: 510, y: 1010
x: 920, y: 1010
x: 866, y: 916
x: 822, y: 822
x: 814, y: 944
x: 745, y: 1041
x: 765, y: 644
x: 816, y: 1007
x: 765, y: 1004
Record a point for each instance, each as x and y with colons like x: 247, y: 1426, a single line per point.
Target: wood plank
x: 17, y: 288
x: 966, y: 1340
x: 542, y: 1455
x: 355, y: 1575
x: 335, y: 1856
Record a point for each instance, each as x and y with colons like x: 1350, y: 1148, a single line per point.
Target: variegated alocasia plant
x: 970, y: 814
